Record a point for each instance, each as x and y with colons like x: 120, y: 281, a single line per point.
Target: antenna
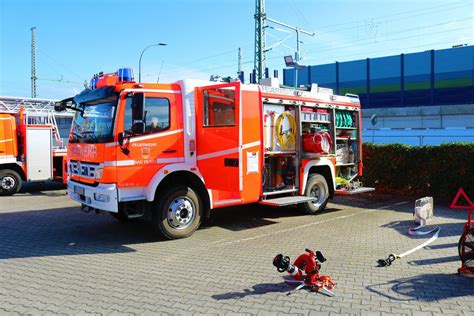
x: 239, y: 62
x: 159, y: 73
x: 33, y: 62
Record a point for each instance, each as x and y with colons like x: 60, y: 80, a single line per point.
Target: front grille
x: 83, y: 169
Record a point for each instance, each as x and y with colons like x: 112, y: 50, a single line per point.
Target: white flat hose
x: 412, y: 232
x: 426, y: 243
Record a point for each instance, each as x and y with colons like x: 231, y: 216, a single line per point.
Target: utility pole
x: 33, y: 62
x: 259, y: 60
x: 297, y: 53
x: 260, y: 46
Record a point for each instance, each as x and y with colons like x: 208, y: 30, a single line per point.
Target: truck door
x: 218, y: 140
x: 160, y: 145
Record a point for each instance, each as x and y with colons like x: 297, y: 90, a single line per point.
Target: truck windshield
x: 94, y: 122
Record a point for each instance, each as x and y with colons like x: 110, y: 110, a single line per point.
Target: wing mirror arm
x: 123, y: 143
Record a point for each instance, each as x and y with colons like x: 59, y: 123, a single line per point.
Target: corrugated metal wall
x: 432, y: 77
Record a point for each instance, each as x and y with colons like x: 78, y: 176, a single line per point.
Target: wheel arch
x: 322, y: 167
x: 15, y: 167
x: 189, y: 179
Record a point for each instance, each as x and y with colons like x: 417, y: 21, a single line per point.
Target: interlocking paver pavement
x: 55, y: 259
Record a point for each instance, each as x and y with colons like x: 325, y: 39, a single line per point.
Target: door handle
x: 169, y: 151
x: 231, y: 162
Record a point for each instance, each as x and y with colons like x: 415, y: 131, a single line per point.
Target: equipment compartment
x: 280, y: 173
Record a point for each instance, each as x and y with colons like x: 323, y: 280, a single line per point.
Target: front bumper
x: 102, y: 197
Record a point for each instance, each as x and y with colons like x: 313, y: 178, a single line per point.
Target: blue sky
x: 76, y: 39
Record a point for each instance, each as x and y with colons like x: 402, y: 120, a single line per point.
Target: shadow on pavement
x: 425, y: 262
x: 447, y: 229
x: 427, y: 288
x: 258, y: 289
x: 67, y: 231
x: 37, y: 188
x: 252, y: 216
x: 442, y: 246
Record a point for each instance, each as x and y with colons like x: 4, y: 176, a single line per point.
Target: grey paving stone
x: 61, y: 261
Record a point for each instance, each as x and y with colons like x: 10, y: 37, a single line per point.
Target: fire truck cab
x: 173, y: 152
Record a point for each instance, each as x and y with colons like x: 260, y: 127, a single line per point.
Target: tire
x: 10, y: 182
x: 177, y: 212
x: 318, y: 187
x: 462, y: 240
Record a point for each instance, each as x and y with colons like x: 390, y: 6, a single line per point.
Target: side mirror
x: 138, y: 128
x: 59, y: 106
x: 120, y: 139
x: 138, y: 110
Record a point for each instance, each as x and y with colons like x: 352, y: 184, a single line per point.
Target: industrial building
x: 423, y: 98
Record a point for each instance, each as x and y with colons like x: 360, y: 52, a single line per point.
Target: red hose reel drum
x: 319, y: 143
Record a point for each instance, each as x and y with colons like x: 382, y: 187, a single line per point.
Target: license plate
x: 79, y: 190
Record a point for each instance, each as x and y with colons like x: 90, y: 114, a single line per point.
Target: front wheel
x: 177, y: 212
x: 10, y: 182
x: 316, y: 187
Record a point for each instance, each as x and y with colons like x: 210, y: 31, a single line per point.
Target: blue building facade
x: 434, y: 77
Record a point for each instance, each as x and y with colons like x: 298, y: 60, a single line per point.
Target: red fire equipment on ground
x: 305, y: 270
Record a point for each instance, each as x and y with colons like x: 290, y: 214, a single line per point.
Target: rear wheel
x: 316, y: 187
x: 466, y: 248
x: 10, y: 182
x: 177, y: 212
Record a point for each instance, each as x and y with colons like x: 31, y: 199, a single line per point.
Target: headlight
x: 101, y: 197
x: 98, y: 173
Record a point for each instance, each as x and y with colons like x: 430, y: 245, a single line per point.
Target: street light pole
x: 140, y: 60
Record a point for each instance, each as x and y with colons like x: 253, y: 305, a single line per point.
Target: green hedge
x: 438, y: 171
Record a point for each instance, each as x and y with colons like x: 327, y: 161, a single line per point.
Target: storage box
x: 342, y: 153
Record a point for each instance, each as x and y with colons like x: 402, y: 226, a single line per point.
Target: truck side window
x: 219, y: 107
x: 157, y: 115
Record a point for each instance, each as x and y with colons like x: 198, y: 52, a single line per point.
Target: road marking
x: 278, y: 232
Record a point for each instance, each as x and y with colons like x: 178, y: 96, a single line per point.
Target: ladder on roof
x: 37, y: 112
x: 44, y: 117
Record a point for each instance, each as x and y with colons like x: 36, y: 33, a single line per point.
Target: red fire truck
x: 173, y: 152
x: 31, y: 148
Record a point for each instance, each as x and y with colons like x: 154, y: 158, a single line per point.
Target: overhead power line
x: 358, y: 42
x: 299, y: 14
x: 368, y: 41
x: 425, y: 11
